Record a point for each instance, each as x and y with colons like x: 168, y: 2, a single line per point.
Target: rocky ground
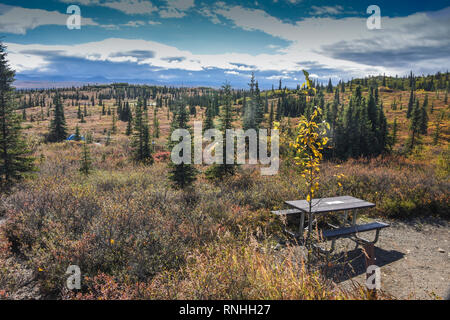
x: 413, y: 257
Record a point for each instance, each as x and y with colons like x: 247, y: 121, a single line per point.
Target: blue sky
x: 190, y: 42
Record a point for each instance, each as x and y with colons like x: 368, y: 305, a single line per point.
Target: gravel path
x: 413, y: 257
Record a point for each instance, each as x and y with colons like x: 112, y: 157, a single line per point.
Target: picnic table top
x: 331, y: 204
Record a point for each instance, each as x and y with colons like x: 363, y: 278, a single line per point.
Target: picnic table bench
x: 330, y: 205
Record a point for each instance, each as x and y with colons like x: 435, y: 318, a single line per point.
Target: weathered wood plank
x: 331, y: 204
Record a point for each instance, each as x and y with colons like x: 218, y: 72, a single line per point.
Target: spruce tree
x: 330, y: 86
x: 156, y: 131
x: 15, y: 160
x: 410, y: 105
x: 220, y: 171
x: 437, y: 132
x: 266, y: 104
x: 141, y: 139
x: 414, y: 127
x: 183, y: 174
x: 259, y: 107
x: 424, y: 117
x: 271, y: 114
x: 86, y: 160
x: 208, y: 123
x: 58, y: 129
x: 337, y: 97
x: 279, y: 113
x: 114, y: 123
x: 77, y: 134
x: 129, y: 130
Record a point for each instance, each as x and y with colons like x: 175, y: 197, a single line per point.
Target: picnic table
x: 346, y: 229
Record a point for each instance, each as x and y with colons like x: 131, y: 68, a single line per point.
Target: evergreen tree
x: 381, y: 132
x: 129, y: 130
x: 220, y: 171
x: 330, y: 86
x: 108, y: 138
x: 259, y: 107
x: 336, y: 96
x: 77, y: 134
x: 208, y: 123
x: 410, y: 105
x: 15, y: 162
x: 437, y: 132
x: 424, y: 117
x: 141, y: 139
x: 271, y: 114
x: 414, y: 127
x: 58, y: 129
x: 184, y: 174
x: 266, y: 104
x: 86, y: 160
x: 114, y: 124
x: 156, y: 131
x: 372, y: 110
x: 279, y: 113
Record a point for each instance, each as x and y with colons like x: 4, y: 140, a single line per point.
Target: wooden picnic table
x: 325, y: 205
x: 345, y: 230
x: 330, y: 205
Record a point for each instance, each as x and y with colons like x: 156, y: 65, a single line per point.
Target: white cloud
x: 125, y: 6
x: 181, y: 5
x: 314, y: 43
x: 131, y: 6
x: 18, y: 20
x: 310, y: 36
x: 176, y: 8
x: 327, y: 10
x: 205, y: 11
x: 134, y: 24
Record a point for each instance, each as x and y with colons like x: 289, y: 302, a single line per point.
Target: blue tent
x: 72, y: 138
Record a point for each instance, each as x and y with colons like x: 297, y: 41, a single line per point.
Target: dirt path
x: 413, y: 257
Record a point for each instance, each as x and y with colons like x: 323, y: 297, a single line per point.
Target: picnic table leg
x: 301, y: 231
x: 354, y: 217
x: 345, y: 218
x: 309, y: 225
